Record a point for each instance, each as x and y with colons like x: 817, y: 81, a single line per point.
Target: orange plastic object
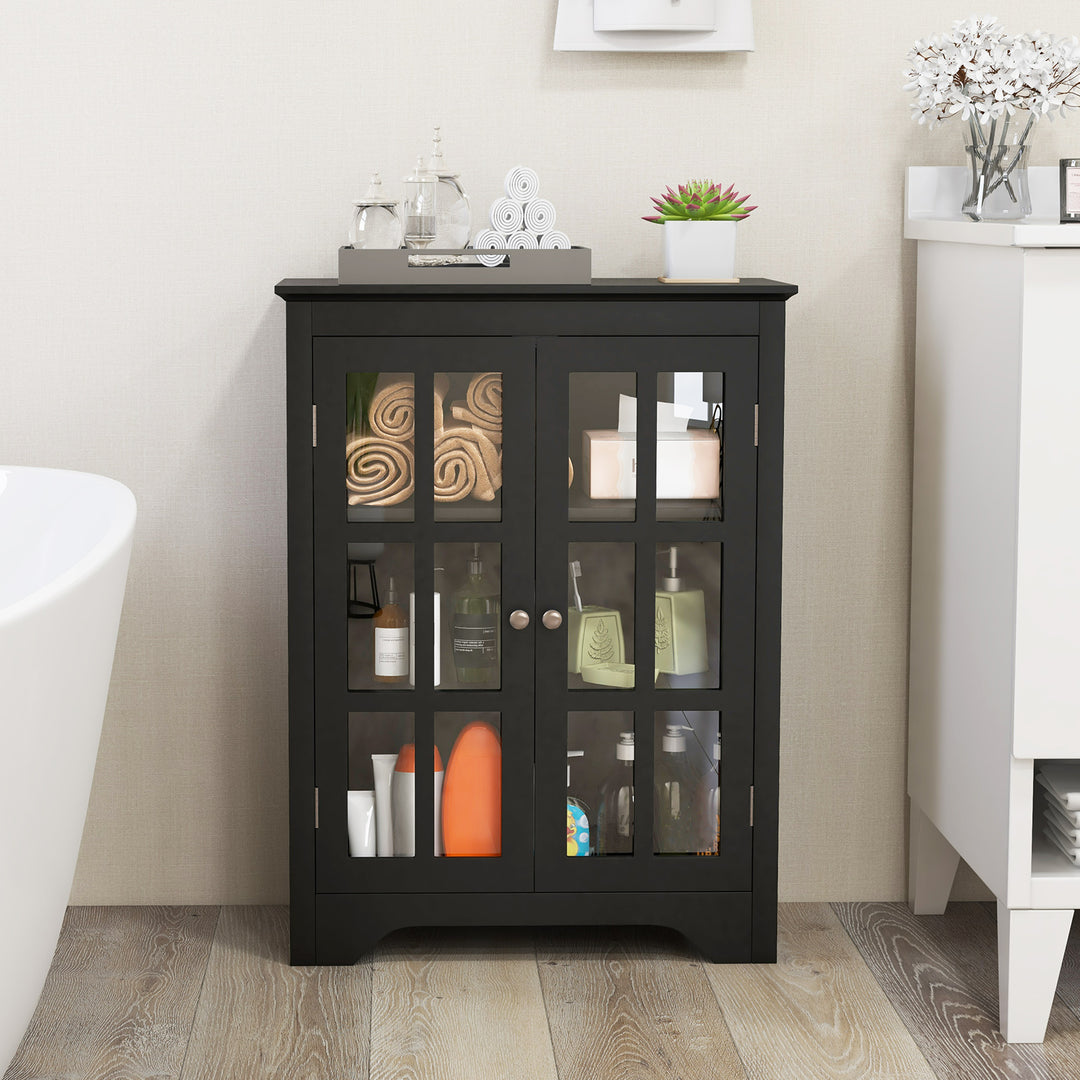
x: 472, y: 793
x: 406, y: 759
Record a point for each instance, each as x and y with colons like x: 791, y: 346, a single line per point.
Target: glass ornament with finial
x: 375, y: 223
x: 420, y: 206
x: 453, y: 215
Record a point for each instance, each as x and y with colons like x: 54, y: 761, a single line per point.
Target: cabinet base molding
x: 717, y: 924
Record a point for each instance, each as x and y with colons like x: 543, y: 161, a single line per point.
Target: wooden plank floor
x: 859, y: 990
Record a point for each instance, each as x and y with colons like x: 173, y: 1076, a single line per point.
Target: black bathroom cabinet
x: 576, y: 363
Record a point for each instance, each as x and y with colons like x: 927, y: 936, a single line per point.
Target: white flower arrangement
x: 986, y: 75
x: 980, y: 70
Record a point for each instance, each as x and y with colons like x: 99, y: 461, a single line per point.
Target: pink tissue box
x: 687, y: 464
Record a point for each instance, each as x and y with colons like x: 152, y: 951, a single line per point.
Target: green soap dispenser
x: 578, y: 838
x: 474, y: 629
x: 595, y: 647
x: 681, y: 644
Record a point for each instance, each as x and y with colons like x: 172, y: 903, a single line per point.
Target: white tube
x: 383, y: 766
x: 361, y: 824
x: 403, y: 800
x: 439, y: 848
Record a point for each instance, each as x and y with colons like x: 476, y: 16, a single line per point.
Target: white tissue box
x: 687, y: 464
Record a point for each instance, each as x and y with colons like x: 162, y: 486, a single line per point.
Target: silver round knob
x: 519, y: 619
x: 552, y: 619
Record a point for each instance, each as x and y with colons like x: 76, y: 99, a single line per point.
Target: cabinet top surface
x: 329, y: 289
x: 934, y: 194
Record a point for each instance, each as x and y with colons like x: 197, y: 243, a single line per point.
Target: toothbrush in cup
x: 575, y: 573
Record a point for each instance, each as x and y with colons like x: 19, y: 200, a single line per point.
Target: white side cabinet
x: 995, y: 590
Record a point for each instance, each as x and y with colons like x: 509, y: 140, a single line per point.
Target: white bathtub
x: 65, y: 539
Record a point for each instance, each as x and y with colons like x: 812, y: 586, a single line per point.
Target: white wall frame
x: 575, y: 31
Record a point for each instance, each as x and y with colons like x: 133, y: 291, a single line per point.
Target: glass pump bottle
x: 615, y: 817
x: 475, y: 627
x: 420, y: 206
x: 676, y: 824
x: 709, y: 803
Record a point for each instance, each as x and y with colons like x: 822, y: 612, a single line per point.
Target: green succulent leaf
x: 700, y: 200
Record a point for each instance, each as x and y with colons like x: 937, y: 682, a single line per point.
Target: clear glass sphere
x: 374, y: 226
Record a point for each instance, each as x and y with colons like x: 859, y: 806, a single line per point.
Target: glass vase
x: 997, y: 152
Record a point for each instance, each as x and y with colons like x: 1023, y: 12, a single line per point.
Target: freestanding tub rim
x: 99, y: 549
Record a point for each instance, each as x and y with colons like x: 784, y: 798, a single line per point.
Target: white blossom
x: 979, y: 70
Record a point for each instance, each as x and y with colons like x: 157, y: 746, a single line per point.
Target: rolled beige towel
x: 378, y: 472
x: 391, y: 414
x: 442, y: 386
x: 466, y: 463
x: 482, y: 406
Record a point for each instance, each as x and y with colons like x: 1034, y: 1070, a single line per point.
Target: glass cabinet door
x: 645, y: 565
x: 424, y: 519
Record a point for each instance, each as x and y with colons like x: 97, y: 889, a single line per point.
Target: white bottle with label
x: 391, y: 640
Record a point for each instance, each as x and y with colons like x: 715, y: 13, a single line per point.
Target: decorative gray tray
x: 568, y: 266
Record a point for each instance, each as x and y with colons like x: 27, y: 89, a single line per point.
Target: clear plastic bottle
x: 615, y: 816
x: 677, y: 825
x: 710, y: 803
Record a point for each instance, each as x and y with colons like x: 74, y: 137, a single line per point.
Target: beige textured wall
x: 165, y: 165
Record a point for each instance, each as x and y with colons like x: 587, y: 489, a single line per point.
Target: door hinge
x: 315, y: 426
x: 755, y: 422
x: 316, y: 808
x: 751, y: 806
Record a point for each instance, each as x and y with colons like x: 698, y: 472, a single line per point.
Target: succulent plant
x: 700, y: 200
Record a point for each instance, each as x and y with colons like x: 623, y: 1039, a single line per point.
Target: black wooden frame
x: 736, y: 358
x: 333, y: 359
x: 333, y: 917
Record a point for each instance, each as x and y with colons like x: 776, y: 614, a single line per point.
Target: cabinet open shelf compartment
x: 1055, y: 881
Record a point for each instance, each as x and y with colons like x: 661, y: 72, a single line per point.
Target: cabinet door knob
x: 552, y: 619
x: 519, y: 619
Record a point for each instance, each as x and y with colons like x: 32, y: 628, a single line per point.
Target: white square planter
x: 699, y: 250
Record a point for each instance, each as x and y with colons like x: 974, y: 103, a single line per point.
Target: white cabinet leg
x: 1031, y: 944
x: 932, y: 863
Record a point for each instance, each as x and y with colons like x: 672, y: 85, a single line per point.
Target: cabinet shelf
x: 1055, y: 882
x: 502, y: 707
